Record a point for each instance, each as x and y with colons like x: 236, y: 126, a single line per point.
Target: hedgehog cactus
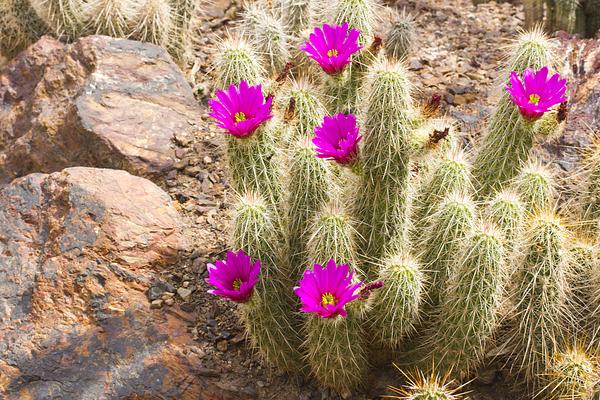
x: 237, y: 61
x: 470, y: 302
x: 421, y: 386
x: 535, y: 186
x: 506, y: 211
x: 64, y: 17
x: 573, y: 374
x: 592, y: 191
x: 401, y: 37
x: 382, y: 196
x: 542, y: 295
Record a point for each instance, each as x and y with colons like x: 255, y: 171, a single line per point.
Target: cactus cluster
x: 573, y: 16
x: 162, y: 22
x: 370, y: 218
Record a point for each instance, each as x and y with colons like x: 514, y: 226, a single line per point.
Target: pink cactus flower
x: 331, y: 46
x: 235, y: 277
x: 535, y: 94
x: 325, y: 291
x: 241, y: 110
x: 337, y: 138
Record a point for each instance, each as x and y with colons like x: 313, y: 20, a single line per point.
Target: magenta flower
x: 235, y: 277
x: 331, y: 46
x: 535, y: 94
x: 337, y: 138
x: 241, y: 110
x: 326, y: 290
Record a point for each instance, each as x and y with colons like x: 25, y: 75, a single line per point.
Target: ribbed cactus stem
x: 237, y: 60
x: 269, y: 316
x: 585, y: 259
x: 154, y: 23
x: 566, y: 15
x: 534, y: 13
x: 111, y: 17
x: 309, y: 188
x: 470, y: 303
x: 422, y: 386
x: 332, y: 237
x: 595, y: 302
x: 448, y: 175
x: 400, y: 38
x: 542, y: 293
x: 507, y: 212
x: 383, y: 192
x: 448, y: 227
x: 396, y: 306
x: 297, y: 16
x: 305, y: 108
x: 591, y: 215
x: 550, y: 125
x: 535, y: 186
x: 64, y: 17
x: 336, y: 350
x: 510, y: 137
x: 573, y: 374
x: 253, y: 163
x: 268, y: 37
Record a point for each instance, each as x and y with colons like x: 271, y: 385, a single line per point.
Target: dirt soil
x: 459, y: 53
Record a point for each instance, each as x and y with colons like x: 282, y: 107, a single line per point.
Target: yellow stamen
x: 237, y: 283
x: 332, y: 52
x: 534, y: 99
x: 240, y: 116
x: 327, y: 299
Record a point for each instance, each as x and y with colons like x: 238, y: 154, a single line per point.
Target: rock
x: 79, y: 249
x: 184, y: 293
x: 222, y: 345
x: 156, y: 303
x: 99, y: 102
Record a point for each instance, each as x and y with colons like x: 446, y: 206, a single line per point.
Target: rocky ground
x: 459, y: 50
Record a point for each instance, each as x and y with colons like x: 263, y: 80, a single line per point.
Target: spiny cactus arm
x: 305, y: 109
x: 267, y: 35
x: 591, y: 216
x: 584, y: 256
x: 470, y: 303
x: 65, y: 18
x: 396, y: 306
x: 426, y: 386
x: 269, y: 317
x: 535, y: 186
x: 400, y: 38
x: 509, y: 136
x: 309, y: 185
x: 110, y: 17
x: 448, y: 175
x: 154, y: 23
x: 542, y: 293
x: 507, y: 212
x: 383, y: 193
x: 237, y: 60
x: 447, y: 229
x: 297, y: 15
x: 20, y: 26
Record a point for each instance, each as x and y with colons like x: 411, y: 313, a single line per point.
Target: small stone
x: 184, y: 293
x: 207, y: 160
x: 222, y: 346
x: 169, y: 302
x: 186, y: 284
x: 156, y: 303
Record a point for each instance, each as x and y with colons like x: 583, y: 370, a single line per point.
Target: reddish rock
x: 78, y: 251
x: 99, y: 102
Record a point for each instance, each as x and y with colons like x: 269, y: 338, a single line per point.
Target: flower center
x: 240, y: 116
x: 328, y: 299
x: 332, y: 52
x: 534, y: 98
x: 237, y: 283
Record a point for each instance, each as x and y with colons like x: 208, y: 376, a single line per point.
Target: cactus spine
x: 111, y: 17
x: 19, y: 26
x: 297, y: 16
x: 154, y: 23
x: 535, y: 186
x: 267, y: 36
x: 64, y: 17
x: 573, y: 374
x: 591, y: 215
x: 400, y: 37
x: 542, y: 295
x: 448, y: 227
x: 396, y: 306
x: 510, y: 137
x: 382, y: 199
x: 420, y: 386
x: 470, y: 302
x: 585, y: 259
x: 507, y: 212
x: 449, y: 175
x: 309, y: 187
x: 268, y: 316
x: 253, y: 163
x: 236, y: 61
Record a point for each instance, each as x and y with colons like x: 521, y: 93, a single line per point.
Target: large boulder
x: 79, y: 250
x: 99, y: 102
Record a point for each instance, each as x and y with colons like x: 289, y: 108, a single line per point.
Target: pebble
x: 222, y: 345
x: 156, y: 303
x: 169, y: 302
x: 184, y: 293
